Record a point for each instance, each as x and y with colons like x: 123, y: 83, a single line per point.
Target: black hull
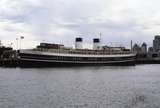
x: 39, y: 59
x: 30, y: 63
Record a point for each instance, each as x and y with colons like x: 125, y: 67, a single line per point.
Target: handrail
x: 87, y: 52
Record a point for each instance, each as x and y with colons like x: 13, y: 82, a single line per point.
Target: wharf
x: 147, y: 61
x: 9, y: 63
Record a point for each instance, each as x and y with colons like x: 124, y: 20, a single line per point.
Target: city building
x: 136, y: 48
x: 156, y: 43
x: 150, y: 50
x: 144, y: 48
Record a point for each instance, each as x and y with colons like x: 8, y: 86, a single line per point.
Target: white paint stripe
x: 75, y: 61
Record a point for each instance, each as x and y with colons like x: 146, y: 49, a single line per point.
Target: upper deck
x: 61, y: 49
x: 83, y: 51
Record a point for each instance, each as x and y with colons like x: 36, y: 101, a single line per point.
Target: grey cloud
x: 56, y: 20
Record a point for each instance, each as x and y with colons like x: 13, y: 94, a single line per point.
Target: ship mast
x: 100, y: 38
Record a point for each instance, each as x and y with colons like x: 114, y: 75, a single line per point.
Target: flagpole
x: 17, y: 43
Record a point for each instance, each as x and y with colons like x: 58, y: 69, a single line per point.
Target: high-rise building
x: 150, y: 50
x: 144, y: 47
x: 156, y: 43
x: 136, y: 48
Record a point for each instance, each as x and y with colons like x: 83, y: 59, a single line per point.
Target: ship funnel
x: 78, y: 43
x: 96, y: 43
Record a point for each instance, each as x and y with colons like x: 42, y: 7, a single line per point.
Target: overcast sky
x: 60, y: 21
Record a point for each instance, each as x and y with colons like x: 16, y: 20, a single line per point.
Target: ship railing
x: 83, y: 52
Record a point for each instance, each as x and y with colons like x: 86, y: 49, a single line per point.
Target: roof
x: 144, y: 44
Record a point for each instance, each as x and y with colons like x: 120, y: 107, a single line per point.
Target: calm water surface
x: 87, y: 87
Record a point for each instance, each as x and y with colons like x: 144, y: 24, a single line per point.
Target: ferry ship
x: 55, y: 55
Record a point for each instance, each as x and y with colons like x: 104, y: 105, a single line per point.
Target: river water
x: 81, y: 87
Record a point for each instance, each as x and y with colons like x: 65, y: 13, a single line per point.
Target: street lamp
x: 22, y: 37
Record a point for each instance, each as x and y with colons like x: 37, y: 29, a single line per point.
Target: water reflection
x: 81, y: 87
